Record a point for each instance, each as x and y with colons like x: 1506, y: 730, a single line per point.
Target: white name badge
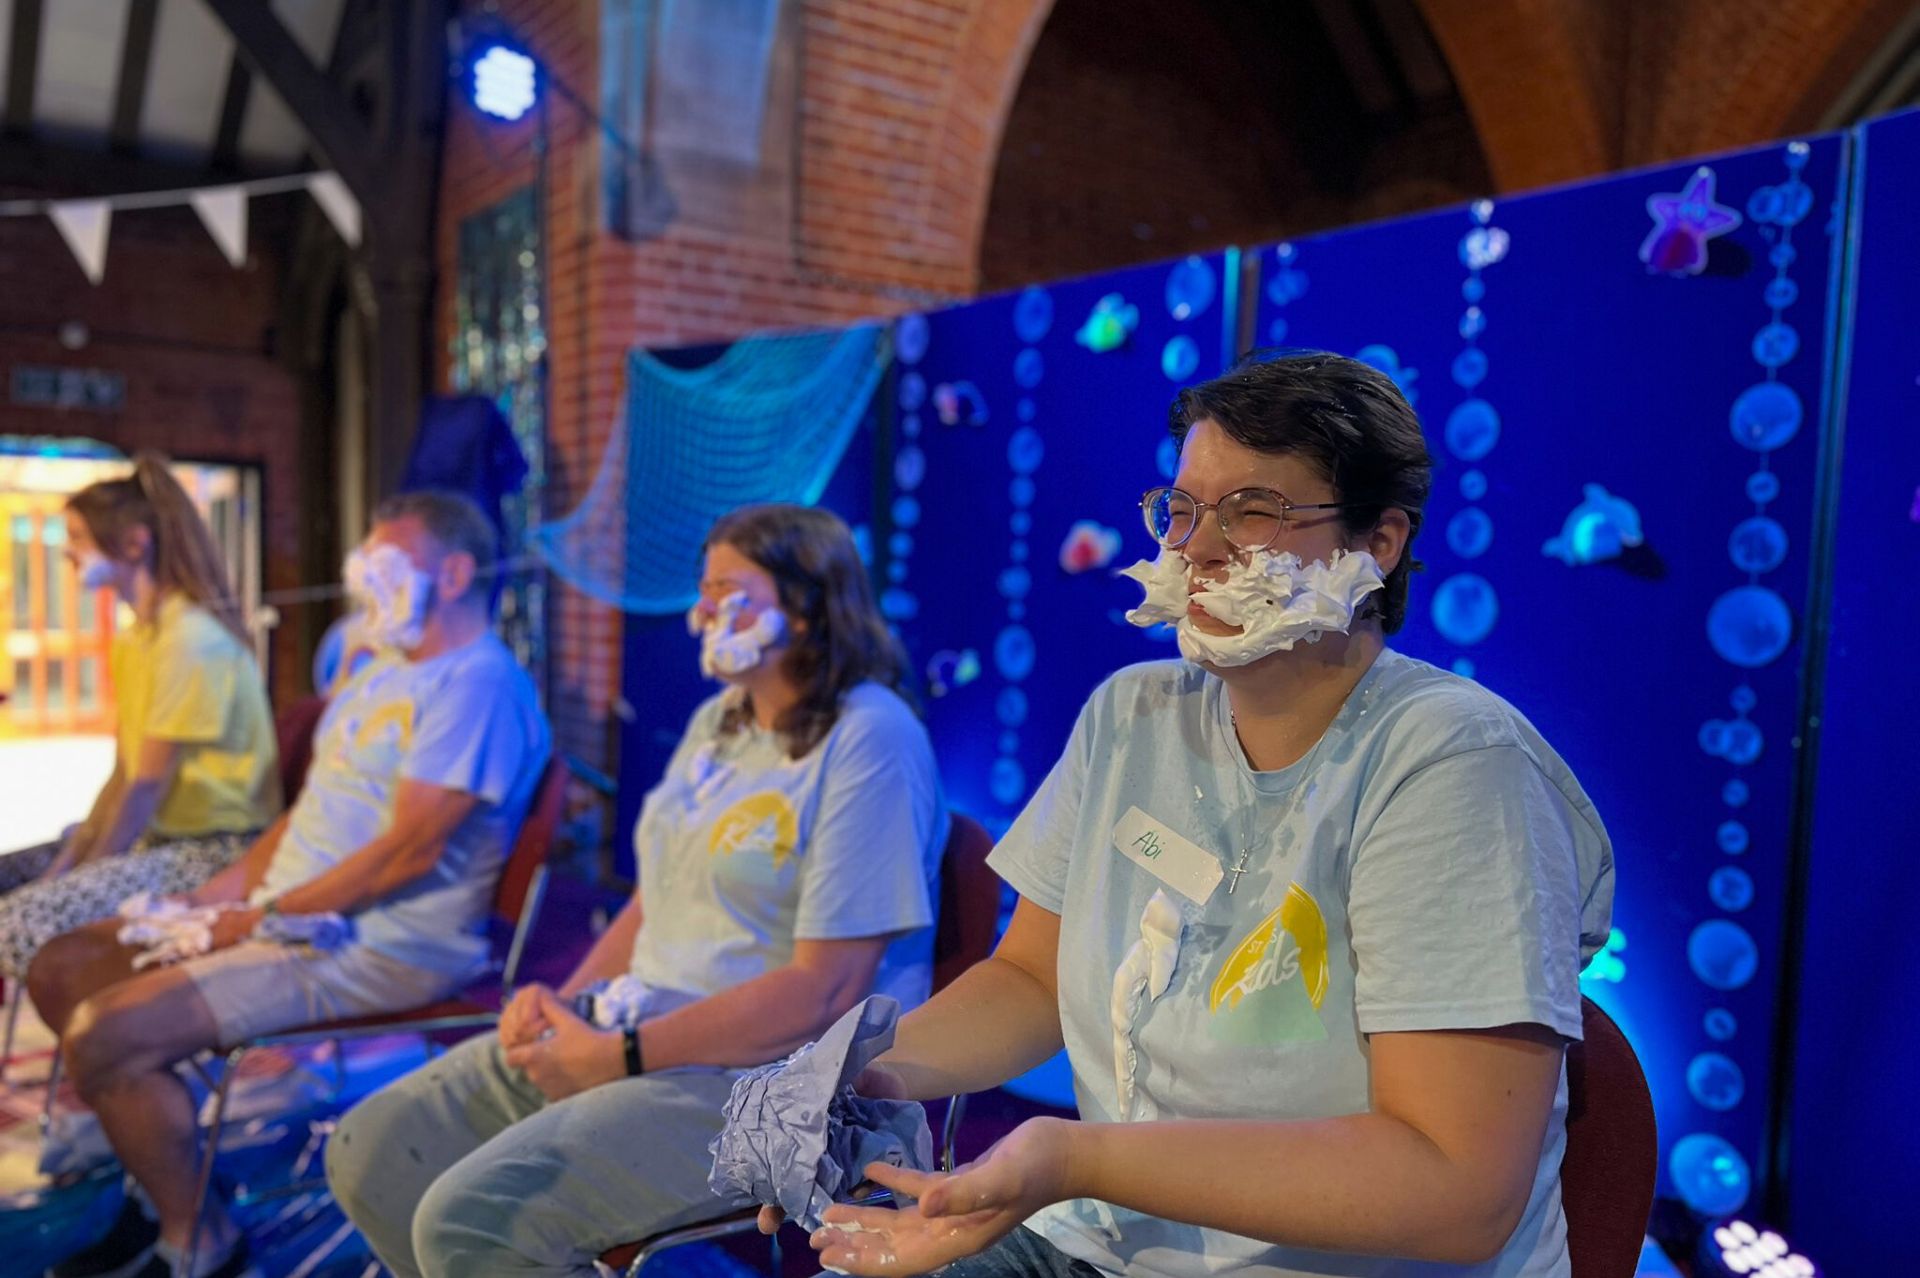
x: 1182, y: 865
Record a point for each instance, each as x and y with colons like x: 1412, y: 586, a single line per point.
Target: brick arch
x: 989, y: 60
x: 1565, y: 89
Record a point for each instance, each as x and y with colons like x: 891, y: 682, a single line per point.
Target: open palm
x: 957, y: 1215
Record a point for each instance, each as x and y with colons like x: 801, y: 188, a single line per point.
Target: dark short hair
x: 1347, y: 419
x: 454, y: 521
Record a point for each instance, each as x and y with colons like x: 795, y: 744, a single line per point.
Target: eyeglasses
x: 1250, y: 518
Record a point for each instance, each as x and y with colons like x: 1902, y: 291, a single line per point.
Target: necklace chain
x: 1294, y: 800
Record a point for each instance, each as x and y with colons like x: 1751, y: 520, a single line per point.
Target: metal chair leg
x: 13, y: 1024
x: 209, y: 1151
x: 53, y: 1092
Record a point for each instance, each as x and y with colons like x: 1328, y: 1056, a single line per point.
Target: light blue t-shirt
x: 466, y: 720
x: 741, y: 851
x: 1441, y: 869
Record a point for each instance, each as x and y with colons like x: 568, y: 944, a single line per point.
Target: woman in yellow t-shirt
x: 195, y: 777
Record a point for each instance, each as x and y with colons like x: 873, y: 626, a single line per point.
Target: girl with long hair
x: 195, y: 770
x: 787, y: 866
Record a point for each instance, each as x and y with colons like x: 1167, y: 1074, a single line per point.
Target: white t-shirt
x: 1441, y: 870
x: 741, y: 851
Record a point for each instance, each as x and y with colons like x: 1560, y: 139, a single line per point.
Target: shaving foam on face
x: 1276, y: 600
x: 726, y: 651
x: 395, y: 595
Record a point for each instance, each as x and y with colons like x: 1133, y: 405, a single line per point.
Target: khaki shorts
x: 257, y: 988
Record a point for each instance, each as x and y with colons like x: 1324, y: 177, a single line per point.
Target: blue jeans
x: 1021, y: 1254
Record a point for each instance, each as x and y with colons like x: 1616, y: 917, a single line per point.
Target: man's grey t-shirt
x: 1441, y: 870
x: 742, y: 850
x: 465, y: 720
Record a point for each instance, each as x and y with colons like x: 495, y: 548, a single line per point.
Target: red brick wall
x: 193, y: 337
x: 899, y: 120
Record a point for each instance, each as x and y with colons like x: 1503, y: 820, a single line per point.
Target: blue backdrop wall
x: 1854, y: 1164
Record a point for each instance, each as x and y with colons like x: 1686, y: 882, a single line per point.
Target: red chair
x: 964, y: 934
x: 516, y: 906
x: 293, y: 730
x: 1612, y: 1156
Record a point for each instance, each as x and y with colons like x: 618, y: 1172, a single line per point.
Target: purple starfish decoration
x: 1682, y: 225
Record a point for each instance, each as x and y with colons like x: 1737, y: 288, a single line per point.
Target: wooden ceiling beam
x: 23, y: 67
x: 136, y: 65
x: 272, y: 53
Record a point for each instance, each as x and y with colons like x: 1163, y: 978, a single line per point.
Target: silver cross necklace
x: 1294, y: 801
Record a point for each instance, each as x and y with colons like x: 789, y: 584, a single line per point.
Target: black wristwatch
x: 631, y: 1037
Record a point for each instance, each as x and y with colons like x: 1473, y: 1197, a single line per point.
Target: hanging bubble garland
x: 911, y: 335
x: 1465, y: 605
x: 1013, y: 647
x: 1750, y: 626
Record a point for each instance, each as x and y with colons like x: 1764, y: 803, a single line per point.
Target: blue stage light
x: 505, y: 81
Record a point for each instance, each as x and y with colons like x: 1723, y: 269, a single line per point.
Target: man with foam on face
x: 1307, y: 915
x: 424, y: 766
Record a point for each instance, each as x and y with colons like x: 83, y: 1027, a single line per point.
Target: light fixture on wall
x: 1741, y: 1250
x: 503, y: 80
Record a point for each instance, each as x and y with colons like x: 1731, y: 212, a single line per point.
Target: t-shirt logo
x: 1272, y: 983
x: 393, y: 722
x: 762, y: 822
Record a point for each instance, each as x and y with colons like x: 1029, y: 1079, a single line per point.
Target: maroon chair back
x: 969, y: 902
x: 293, y: 730
x: 1612, y: 1157
x: 532, y: 844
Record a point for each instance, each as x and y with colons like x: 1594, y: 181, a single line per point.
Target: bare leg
x: 72, y: 967
x: 121, y: 1044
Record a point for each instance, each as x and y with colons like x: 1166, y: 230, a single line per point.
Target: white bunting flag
x: 83, y: 225
x: 223, y: 211
x: 337, y: 202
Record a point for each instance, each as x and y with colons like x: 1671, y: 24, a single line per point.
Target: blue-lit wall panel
x: 1854, y: 1168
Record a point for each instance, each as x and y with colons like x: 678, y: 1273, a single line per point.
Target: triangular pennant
x: 83, y: 225
x: 223, y: 211
x: 337, y: 202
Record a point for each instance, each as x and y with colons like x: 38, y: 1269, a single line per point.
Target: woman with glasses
x: 1308, y: 915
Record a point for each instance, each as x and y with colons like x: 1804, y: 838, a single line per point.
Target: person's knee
x: 97, y: 1043
x: 354, y: 1158
x: 52, y: 971
x: 453, y: 1223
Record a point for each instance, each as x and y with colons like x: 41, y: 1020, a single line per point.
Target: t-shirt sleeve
x: 1464, y: 900
x: 1037, y: 848
x: 864, y: 867
x: 195, y: 681
x: 472, y: 735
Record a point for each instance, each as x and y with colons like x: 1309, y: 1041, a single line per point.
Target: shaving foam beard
x: 395, y: 596
x: 725, y: 651
x: 1276, y: 600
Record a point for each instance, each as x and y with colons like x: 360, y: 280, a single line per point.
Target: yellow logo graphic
x: 1266, y: 958
x: 397, y: 717
x: 762, y: 822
